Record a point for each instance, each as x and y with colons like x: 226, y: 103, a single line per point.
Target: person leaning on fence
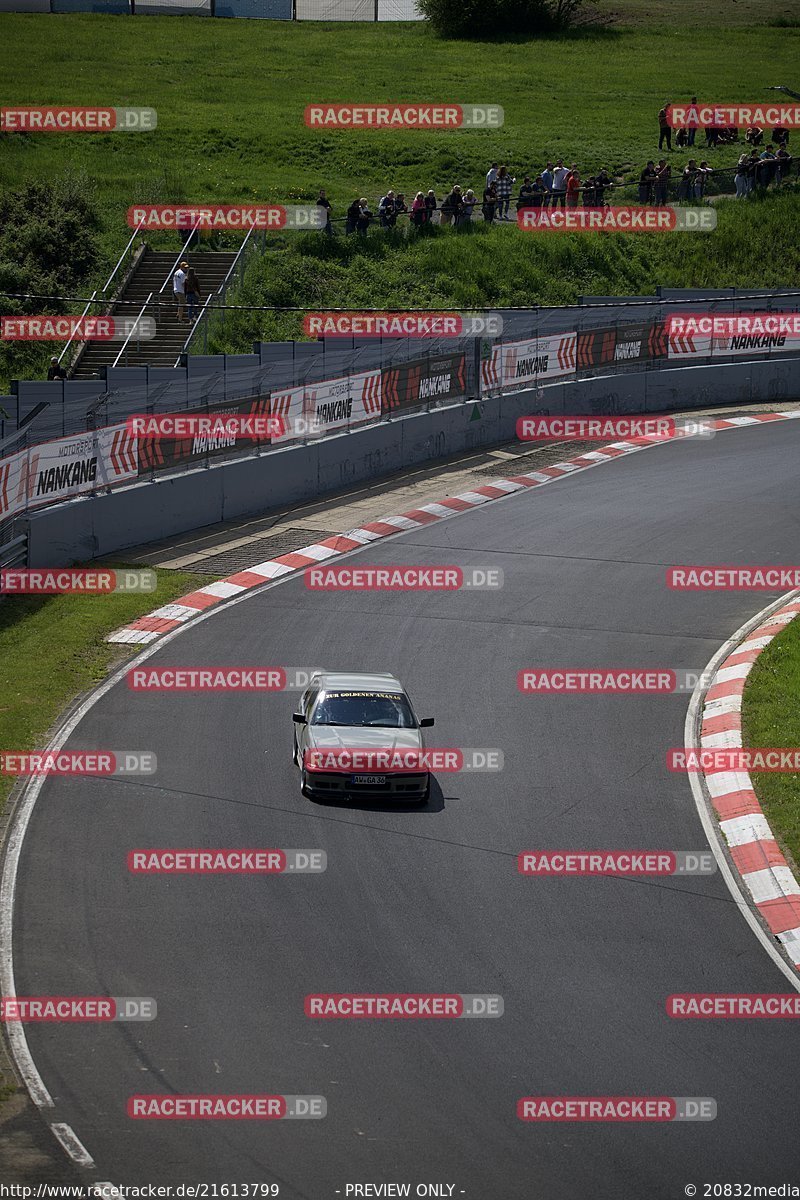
x: 767, y: 167
x: 400, y: 206
x: 489, y: 204
x: 353, y: 214
x: 525, y: 199
x: 601, y: 183
x: 664, y: 127
x: 431, y: 205
x: 465, y: 215
x: 573, y: 187
x: 559, y: 192
x: 590, y: 192
x: 387, y: 214
x: 504, y: 184
x: 688, y: 179
x: 451, y: 206
x: 418, y: 213
x: 783, y: 164
x: 191, y: 289
x: 741, y: 178
x: 704, y: 173
x: 663, y: 173
x: 647, y: 181
x: 365, y: 217
x: 179, y: 289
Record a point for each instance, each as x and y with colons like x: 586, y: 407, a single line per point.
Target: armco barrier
x: 99, y: 525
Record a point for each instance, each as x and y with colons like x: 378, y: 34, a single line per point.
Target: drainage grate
x: 259, y: 549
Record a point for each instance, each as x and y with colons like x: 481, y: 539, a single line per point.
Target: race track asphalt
x: 430, y: 900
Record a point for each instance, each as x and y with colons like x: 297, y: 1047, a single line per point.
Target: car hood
x: 339, y: 737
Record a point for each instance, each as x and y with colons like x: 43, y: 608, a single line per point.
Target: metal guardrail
x: 13, y: 553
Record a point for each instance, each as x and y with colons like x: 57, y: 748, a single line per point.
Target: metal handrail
x: 134, y: 329
x: 122, y: 257
x: 221, y: 291
x: 89, y: 304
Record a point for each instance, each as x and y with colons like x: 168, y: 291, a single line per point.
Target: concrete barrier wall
x: 82, y: 529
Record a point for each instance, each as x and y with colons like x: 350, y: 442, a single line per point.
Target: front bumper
x: 401, y: 786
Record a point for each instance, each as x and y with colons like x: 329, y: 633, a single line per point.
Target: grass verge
x: 52, y: 650
x: 771, y: 717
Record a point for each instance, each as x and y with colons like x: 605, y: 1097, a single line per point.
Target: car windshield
x: 384, y: 710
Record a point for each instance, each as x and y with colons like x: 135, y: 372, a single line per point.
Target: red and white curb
x: 170, y: 616
x: 751, y: 843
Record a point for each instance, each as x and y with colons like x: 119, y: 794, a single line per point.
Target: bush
x: 497, y: 18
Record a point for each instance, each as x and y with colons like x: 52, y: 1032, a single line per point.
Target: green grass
x: 771, y: 717
x: 52, y: 650
x: 230, y: 96
x: 495, y: 266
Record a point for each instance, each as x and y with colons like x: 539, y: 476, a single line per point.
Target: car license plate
x: 368, y: 780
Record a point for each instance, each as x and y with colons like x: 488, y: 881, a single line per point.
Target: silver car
x: 369, y: 714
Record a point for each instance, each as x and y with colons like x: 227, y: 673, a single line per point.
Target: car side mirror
x: 426, y: 722
x: 299, y: 719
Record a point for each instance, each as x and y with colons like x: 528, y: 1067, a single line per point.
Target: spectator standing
x: 573, y: 187
x: 55, y: 370
x: 780, y: 136
x: 688, y: 179
x: 386, y: 211
x: 353, y: 213
x: 712, y: 137
x: 647, y: 181
x: 492, y: 173
x: 547, y: 179
x: 489, y: 201
x: 664, y: 127
x: 704, y: 173
x: 179, y: 289
x: 430, y: 205
x: 365, y: 217
x: 767, y: 167
x: 663, y: 173
x: 559, y: 185
x: 783, y: 164
x: 451, y: 205
x: 539, y: 192
x: 525, y: 197
x: 191, y: 288
x: 400, y: 206
x: 504, y: 183
x: 742, y: 177
x: 469, y: 202
x: 692, y: 122
x: 602, y: 181
x: 324, y: 203
x: 419, y: 213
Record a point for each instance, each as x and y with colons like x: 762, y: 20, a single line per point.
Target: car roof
x: 341, y: 681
